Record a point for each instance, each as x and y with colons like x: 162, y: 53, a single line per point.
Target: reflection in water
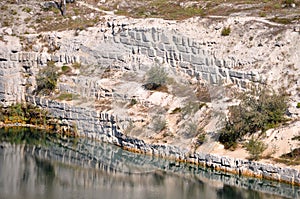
x: 86, y: 169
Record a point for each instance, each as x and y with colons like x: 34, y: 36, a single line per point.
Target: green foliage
x: 23, y: 113
x: 13, y: 12
x: 155, y: 77
x: 47, y: 79
x: 66, y: 69
x: 133, y: 102
x: 253, y: 114
x: 201, y: 138
x: 176, y: 110
x: 27, y: 9
x: 255, y: 148
x: 298, y: 105
x: 67, y: 96
x: 281, y: 20
x: 288, y: 2
x: 226, y: 31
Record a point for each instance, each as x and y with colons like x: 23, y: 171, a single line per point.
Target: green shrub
x: 155, y: 77
x: 47, y: 79
x: 27, y: 9
x: 255, y: 148
x: 288, y: 2
x: 176, y: 110
x: 226, y: 31
x: 201, y: 138
x: 298, y: 105
x: 253, y: 114
x: 66, y: 69
x: 133, y: 102
x: 67, y: 96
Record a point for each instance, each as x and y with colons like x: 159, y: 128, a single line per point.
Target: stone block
x: 184, y: 41
x: 198, y: 68
x: 188, y: 49
x: 190, y: 42
x: 112, y: 55
x: 197, y: 60
x: 164, y: 39
x: 212, y: 70
x: 151, y: 52
x: 138, y: 36
x: 186, y: 57
x: 216, y: 159
x: 177, y: 40
x: 205, y: 76
x: 144, y: 51
x: 104, y: 55
x: 145, y: 44
x: 205, y: 69
x: 169, y: 48
x: 161, y: 47
x: 14, y: 56
x: 62, y: 59
x: 223, y: 72
x: 131, y: 33
x: 236, y: 74
x: 55, y: 58
x: 160, y: 53
x: 116, y: 39
x: 124, y: 34
x: 124, y: 40
x: 32, y: 56
x: 181, y: 48
x: 213, y: 79
x: 155, y: 36
x: 195, y: 44
x: 145, y: 37
x: 218, y: 63
x: 227, y: 162
x: 197, y: 75
x: 176, y: 56
x: 195, y: 50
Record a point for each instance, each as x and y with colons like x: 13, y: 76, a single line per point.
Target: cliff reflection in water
x: 48, y: 167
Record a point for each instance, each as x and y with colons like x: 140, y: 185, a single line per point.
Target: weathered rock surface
x: 104, y: 126
x: 256, y: 52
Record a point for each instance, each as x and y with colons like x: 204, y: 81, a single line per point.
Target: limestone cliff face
x: 255, y: 52
x: 11, y: 79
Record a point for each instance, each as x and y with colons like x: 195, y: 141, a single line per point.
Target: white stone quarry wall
x: 11, y: 79
x: 104, y: 126
x: 118, y: 47
x: 180, y: 52
x: 123, y: 47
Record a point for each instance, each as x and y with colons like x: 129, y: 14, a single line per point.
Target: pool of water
x: 36, y: 165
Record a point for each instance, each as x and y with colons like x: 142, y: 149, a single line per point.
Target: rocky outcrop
x: 11, y: 79
x: 104, y: 126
